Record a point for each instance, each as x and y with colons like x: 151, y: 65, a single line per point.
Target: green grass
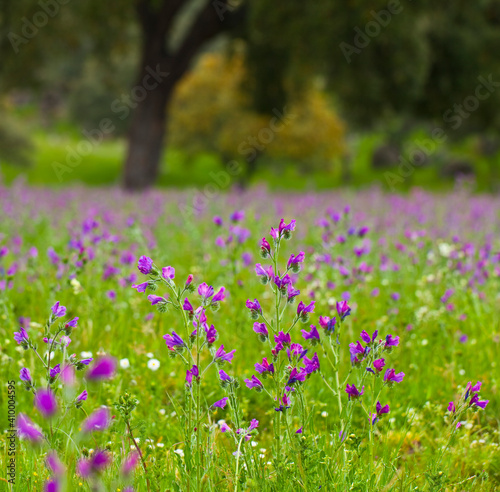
x: 407, y: 442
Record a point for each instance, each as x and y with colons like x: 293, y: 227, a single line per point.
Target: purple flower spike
x: 97, y: 421
x: 103, y: 368
x: 221, y: 355
x: 353, y: 392
x: 145, y: 265
x: 58, y: 311
x: 26, y: 429
x: 46, y: 403
x: 220, y: 403
x: 391, y: 377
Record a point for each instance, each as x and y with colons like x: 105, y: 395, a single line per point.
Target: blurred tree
x: 381, y: 57
x: 210, y: 111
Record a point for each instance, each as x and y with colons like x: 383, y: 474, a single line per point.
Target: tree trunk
x: 149, y: 120
x: 146, y: 137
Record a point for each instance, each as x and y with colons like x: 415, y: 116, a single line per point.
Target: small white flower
x: 254, y: 444
x: 86, y: 355
x: 153, y: 364
x: 461, y: 372
x: 425, y: 341
x: 180, y: 452
x: 150, y: 355
x: 124, y: 363
x: 160, y: 444
x: 324, y: 414
x: 162, y: 411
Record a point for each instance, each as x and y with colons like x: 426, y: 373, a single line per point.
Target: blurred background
x: 223, y: 93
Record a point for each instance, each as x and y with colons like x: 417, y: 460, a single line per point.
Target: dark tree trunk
x: 148, y: 125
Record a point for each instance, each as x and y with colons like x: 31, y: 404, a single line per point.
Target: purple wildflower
x: 311, y: 365
x: 46, y: 403
x: 173, y: 341
x: 254, y: 382
x: 343, y: 309
x: 145, y: 265
x: 220, y: 403
x: 130, y: 463
x: 21, y: 337
x: 391, y: 341
x: 168, y: 272
x: 265, y: 367
x: 296, y: 376
x: 97, y: 421
x: 140, y: 287
x: 26, y: 429
x: 381, y: 410
x: 103, y: 368
x: 58, y: 311
x: 353, y: 392
x: 220, y: 296
x: 311, y: 335
x: 221, y: 355
x: 223, y: 376
x: 260, y: 329
x: 391, y: 377
x: 24, y: 375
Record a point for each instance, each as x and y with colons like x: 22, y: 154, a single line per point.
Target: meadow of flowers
x: 260, y: 341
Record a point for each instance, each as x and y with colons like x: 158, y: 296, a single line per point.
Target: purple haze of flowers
x: 353, y: 392
x: 21, y: 336
x: 173, y: 340
x: 168, y: 272
x: 220, y: 403
x: 26, y: 429
x: 343, y: 309
x: 237, y: 215
x: 54, y: 464
x: 58, y: 311
x: 390, y: 376
x: 447, y: 295
x: 311, y: 365
x: 52, y: 486
x: 264, y: 367
x: 46, y: 403
x: 302, y: 308
x: 311, y: 335
x: 97, y: 421
x: 260, y: 329
x: 254, y: 382
x: 224, y: 356
x: 103, y: 368
x: 24, y: 375
x: 217, y: 220
x: 253, y: 305
x: 145, y: 265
